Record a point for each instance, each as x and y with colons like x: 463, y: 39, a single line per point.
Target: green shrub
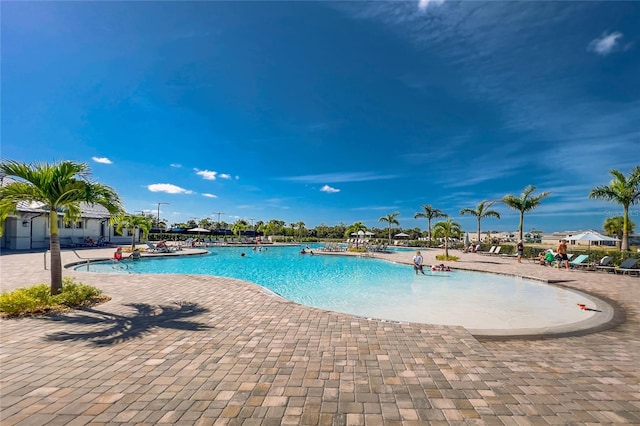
x: 38, y: 299
x: 450, y: 257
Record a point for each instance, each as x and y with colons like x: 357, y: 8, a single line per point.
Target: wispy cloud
x: 606, y: 43
x: 339, y: 177
x: 423, y: 4
x: 206, y: 174
x: 168, y: 188
x: 101, y: 160
x: 176, y: 165
x: 206, y: 194
x: 225, y: 176
x: 329, y: 189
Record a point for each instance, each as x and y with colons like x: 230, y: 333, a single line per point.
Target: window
x: 78, y: 225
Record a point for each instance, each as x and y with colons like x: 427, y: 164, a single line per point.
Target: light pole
x: 159, y: 213
x: 252, y: 227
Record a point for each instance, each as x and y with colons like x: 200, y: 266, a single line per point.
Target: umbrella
x: 401, y: 234
x: 369, y: 233
x: 198, y: 230
x: 590, y: 236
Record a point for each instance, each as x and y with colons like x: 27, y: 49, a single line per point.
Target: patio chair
x: 496, y: 251
x: 491, y: 251
x: 605, y: 264
x: 627, y: 267
x: 580, y: 261
x: 151, y: 247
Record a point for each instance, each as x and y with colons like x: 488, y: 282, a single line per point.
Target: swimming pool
x: 379, y: 289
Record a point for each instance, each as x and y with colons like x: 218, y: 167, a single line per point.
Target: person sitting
x: 549, y: 258
x: 135, y: 255
x: 303, y: 251
x: 89, y: 241
x: 118, y: 254
x: 162, y: 244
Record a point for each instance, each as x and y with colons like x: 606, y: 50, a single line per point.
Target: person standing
x: 520, y: 250
x: 417, y: 263
x: 562, y: 254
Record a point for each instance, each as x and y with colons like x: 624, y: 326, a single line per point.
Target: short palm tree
x: 391, y: 220
x: 624, y: 191
x: 614, y: 227
x: 447, y: 229
x: 430, y: 213
x: 525, y: 203
x: 60, y: 189
x: 480, y: 212
x: 132, y: 223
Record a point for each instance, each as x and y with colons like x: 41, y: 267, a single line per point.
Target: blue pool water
x: 379, y: 289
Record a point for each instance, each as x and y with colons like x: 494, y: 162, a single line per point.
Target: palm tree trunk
x: 521, y: 223
x: 478, y: 230
x: 446, y: 247
x: 56, y: 258
x: 625, y: 230
x: 429, y: 244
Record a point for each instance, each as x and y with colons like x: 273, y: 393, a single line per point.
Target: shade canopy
x: 198, y: 230
x: 590, y: 236
x: 401, y: 234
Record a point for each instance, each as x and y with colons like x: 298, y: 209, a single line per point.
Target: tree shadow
x: 109, y: 328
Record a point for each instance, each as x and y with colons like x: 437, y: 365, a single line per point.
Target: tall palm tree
x: 430, y: 213
x: 624, y: 191
x: 526, y: 202
x: 447, y: 229
x: 391, y: 220
x: 59, y: 188
x: 480, y: 212
x: 301, y: 228
x: 354, y: 228
x: 132, y: 223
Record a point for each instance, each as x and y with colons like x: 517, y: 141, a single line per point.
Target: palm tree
x: 430, y: 213
x: 480, y: 212
x: 614, y: 227
x: 59, y: 188
x: 447, y: 229
x: 524, y: 203
x: 391, y: 220
x: 132, y: 223
x: 354, y: 228
x: 624, y: 191
x: 301, y: 228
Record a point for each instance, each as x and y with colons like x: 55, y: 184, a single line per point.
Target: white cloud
x: 101, y: 160
x: 206, y: 174
x: 423, y: 4
x: 168, y: 188
x: 339, y: 177
x: 225, y: 176
x: 329, y: 189
x: 176, y: 165
x: 209, y: 195
x: 605, y: 44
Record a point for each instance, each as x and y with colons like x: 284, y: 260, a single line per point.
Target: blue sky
x: 330, y: 112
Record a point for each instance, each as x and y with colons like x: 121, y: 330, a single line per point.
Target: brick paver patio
x: 177, y: 349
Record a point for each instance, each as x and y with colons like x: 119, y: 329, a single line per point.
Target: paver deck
x: 191, y: 349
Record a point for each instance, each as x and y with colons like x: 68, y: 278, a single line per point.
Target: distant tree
x: 239, y: 227
x: 60, y: 189
x: 354, y: 228
x: 614, y: 227
x: 480, y: 212
x: 301, y: 229
x: 447, y: 229
x: 132, y: 223
x: 525, y: 203
x: 430, y: 213
x: 391, y: 220
x: 624, y: 191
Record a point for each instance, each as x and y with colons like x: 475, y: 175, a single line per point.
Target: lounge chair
x: 580, y: 261
x: 496, y: 251
x: 491, y: 250
x: 151, y: 247
x: 605, y: 264
x: 627, y: 267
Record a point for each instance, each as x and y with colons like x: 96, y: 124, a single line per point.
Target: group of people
x: 548, y: 257
x: 118, y: 255
x: 418, y: 265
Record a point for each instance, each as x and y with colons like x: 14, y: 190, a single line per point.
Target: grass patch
x: 37, y: 300
x: 449, y: 258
